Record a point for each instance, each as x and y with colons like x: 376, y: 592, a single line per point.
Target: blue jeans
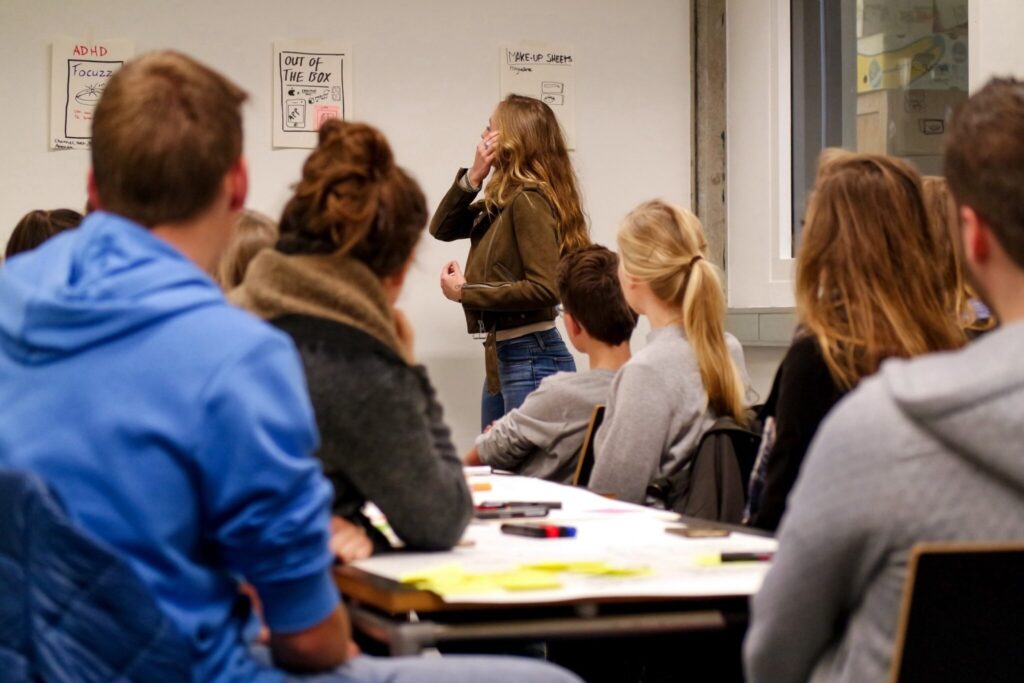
x: 522, y: 363
x: 430, y: 669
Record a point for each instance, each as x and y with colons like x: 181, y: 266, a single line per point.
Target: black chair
x: 70, y: 608
x: 961, y: 617
x: 585, y: 460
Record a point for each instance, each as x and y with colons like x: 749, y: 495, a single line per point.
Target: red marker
x: 539, y: 530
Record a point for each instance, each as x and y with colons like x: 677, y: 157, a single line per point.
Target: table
x: 677, y: 594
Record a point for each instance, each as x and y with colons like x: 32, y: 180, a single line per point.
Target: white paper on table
x: 608, y: 531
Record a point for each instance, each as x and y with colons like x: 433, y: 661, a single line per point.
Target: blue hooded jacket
x: 176, y: 428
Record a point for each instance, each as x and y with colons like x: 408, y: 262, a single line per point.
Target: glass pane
x: 880, y: 76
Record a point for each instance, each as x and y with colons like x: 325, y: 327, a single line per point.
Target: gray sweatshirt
x: 542, y: 438
x: 657, y: 412
x: 927, y: 450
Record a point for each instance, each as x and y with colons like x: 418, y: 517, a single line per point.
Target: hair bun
x: 359, y: 145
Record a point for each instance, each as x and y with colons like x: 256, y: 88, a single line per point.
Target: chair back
x: 585, y: 460
x: 70, y: 608
x: 960, y: 621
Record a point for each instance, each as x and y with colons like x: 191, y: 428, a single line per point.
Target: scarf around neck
x: 332, y: 286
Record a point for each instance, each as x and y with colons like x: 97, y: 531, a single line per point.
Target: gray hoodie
x: 928, y: 450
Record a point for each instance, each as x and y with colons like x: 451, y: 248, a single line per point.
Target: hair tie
x: 689, y: 271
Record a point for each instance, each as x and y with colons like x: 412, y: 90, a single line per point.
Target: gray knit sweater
x: 657, y: 412
x: 542, y: 437
x: 927, y: 450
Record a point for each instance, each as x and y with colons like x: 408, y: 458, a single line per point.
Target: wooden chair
x: 585, y: 460
x: 961, y: 615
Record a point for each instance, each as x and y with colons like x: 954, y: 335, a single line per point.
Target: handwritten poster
x: 545, y: 73
x: 312, y: 84
x: 79, y: 71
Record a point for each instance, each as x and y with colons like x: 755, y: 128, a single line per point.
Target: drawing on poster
x: 80, y: 71
x: 546, y: 74
x: 312, y: 85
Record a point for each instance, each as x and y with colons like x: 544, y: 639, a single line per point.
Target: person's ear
x: 977, y: 237
x: 238, y: 184
x: 93, y: 193
x: 572, y: 326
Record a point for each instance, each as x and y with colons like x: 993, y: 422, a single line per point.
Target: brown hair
x: 35, y: 227
x: 984, y: 160
x: 945, y: 219
x: 588, y: 285
x: 353, y: 199
x: 664, y: 245
x: 531, y: 150
x: 253, y: 233
x: 869, y: 277
x: 166, y: 131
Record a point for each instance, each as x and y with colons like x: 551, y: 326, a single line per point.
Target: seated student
x: 37, y: 226
x: 542, y: 438
x: 691, y: 371
x: 926, y: 450
x: 253, y: 233
x: 869, y: 286
x: 973, y: 315
x: 176, y: 428
x: 348, y: 235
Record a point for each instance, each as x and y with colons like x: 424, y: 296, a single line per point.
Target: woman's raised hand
x: 484, y: 157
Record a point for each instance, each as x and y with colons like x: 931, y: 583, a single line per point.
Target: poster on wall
x: 545, y: 73
x: 312, y: 84
x: 79, y: 71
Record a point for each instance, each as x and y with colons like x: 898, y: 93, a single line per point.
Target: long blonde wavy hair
x: 869, y: 276
x: 945, y: 218
x: 664, y: 246
x: 531, y: 150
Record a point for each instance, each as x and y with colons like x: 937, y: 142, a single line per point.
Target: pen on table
x: 746, y: 557
x: 539, y: 530
x: 504, y: 504
x: 508, y: 513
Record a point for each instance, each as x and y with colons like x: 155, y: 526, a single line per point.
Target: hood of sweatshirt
x: 970, y: 400
x: 86, y: 286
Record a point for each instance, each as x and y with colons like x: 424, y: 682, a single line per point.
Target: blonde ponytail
x: 704, y: 322
x: 664, y: 245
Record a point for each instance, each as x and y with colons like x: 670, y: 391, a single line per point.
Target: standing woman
x: 529, y: 217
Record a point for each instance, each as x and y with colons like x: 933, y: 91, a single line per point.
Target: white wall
x: 995, y: 42
x: 426, y: 73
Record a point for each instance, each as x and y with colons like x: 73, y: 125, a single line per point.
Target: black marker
x: 539, y: 530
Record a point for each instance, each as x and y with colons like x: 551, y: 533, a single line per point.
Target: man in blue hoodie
x: 176, y: 428
x: 927, y: 450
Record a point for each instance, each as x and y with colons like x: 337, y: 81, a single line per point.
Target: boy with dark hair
x: 926, y: 450
x: 542, y: 437
x: 177, y: 429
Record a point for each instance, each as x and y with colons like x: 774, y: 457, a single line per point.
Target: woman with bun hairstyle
x: 691, y: 371
x: 870, y: 285
x: 530, y: 216
x: 347, y: 238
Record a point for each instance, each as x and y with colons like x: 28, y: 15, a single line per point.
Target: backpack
x: 712, y: 484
